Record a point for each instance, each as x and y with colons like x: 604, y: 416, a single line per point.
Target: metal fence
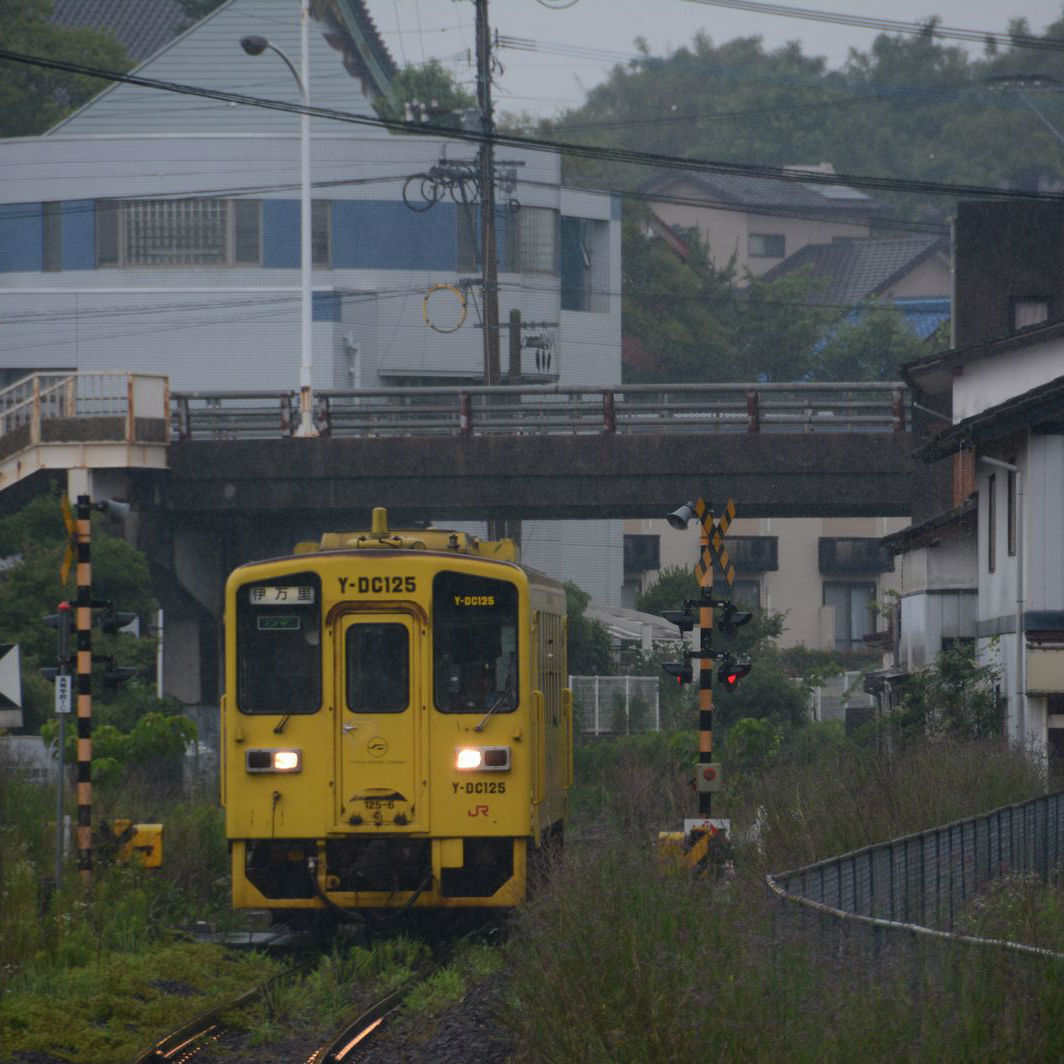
x: 615, y: 705
x: 831, y: 407
x: 924, y: 882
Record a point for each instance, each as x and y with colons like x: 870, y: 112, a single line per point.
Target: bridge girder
x: 536, y: 477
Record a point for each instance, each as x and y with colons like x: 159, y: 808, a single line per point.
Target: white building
x: 159, y: 232
x: 994, y: 569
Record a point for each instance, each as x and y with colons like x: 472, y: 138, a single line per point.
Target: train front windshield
x: 278, y: 645
x: 474, y: 632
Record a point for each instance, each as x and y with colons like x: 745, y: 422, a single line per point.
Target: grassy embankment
x: 620, y: 960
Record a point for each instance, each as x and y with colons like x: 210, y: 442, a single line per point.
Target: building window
x: 321, y: 233
x: 853, y: 605
x: 585, y: 265
x: 247, y: 232
x: 178, y: 232
x: 537, y: 240
x: 1010, y: 504
x: 52, y: 236
x: 991, y: 523
x: 853, y: 554
x: 767, y: 245
x: 1029, y: 311
x: 642, y: 553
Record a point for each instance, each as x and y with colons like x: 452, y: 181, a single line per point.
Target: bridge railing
x: 477, y: 410
x: 127, y: 406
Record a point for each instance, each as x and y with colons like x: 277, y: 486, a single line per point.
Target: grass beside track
x: 107, y: 1010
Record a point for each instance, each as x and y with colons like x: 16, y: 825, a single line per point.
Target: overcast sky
x: 544, y: 82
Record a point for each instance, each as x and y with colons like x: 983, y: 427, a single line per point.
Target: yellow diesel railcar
x: 397, y: 731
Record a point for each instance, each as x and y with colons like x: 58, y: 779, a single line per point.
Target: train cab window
x: 474, y: 634
x: 278, y: 645
x: 378, y: 668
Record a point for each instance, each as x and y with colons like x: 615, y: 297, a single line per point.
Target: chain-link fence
x: 925, y: 881
x: 615, y: 705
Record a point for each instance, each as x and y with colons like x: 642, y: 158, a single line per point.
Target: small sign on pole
x: 10, y: 686
x: 64, y: 694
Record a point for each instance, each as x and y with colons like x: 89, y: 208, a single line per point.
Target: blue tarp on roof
x: 924, y: 315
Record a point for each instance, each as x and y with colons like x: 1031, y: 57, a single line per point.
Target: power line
x: 619, y: 155
x: 889, y: 25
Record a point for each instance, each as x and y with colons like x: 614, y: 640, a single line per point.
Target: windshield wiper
x: 500, y: 698
x: 281, y: 723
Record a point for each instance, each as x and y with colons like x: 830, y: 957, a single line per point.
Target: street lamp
x: 256, y: 45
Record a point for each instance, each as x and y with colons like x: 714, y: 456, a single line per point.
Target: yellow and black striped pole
x: 83, y: 621
x: 704, y: 571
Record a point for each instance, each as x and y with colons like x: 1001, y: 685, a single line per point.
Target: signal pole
x: 486, y: 155
x: 62, y: 709
x: 705, y: 664
x: 83, y: 624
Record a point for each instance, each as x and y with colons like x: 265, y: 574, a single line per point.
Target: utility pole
x: 489, y: 250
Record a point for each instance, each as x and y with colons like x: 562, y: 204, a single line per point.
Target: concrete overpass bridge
x: 217, y: 478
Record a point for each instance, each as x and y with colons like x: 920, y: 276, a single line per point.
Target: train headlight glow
x: 274, y: 761
x: 482, y: 759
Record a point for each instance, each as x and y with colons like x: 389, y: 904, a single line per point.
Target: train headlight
x: 274, y: 760
x: 482, y: 759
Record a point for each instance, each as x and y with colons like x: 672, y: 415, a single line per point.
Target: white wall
x: 988, y: 381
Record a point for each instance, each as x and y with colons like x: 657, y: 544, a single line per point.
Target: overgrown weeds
x: 620, y: 959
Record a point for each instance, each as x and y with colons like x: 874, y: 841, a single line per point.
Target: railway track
x: 199, y: 1034
x: 346, y: 1043
x: 209, y: 1037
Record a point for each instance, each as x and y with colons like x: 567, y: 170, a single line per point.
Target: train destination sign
x: 275, y: 595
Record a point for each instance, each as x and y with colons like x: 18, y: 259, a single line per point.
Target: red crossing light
x: 731, y: 672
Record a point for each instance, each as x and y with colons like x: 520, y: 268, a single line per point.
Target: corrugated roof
x: 141, y: 26
x: 349, y: 65
x: 766, y: 193
x: 847, y: 271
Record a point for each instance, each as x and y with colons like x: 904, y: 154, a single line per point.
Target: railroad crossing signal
x: 731, y: 671
x: 715, y: 532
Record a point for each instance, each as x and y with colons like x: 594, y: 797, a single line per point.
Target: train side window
x: 474, y: 637
x: 378, y: 668
x: 278, y: 645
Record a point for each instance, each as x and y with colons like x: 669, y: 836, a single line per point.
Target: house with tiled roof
x: 912, y: 274
x: 757, y: 222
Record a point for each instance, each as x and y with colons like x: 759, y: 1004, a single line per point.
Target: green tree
x: 674, y: 584
x: 870, y: 347
x: 433, y: 86
x: 673, y: 311
x: 588, y: 647
x: 31, y: 589
x: 32, y: 99
x: 956, y: 696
